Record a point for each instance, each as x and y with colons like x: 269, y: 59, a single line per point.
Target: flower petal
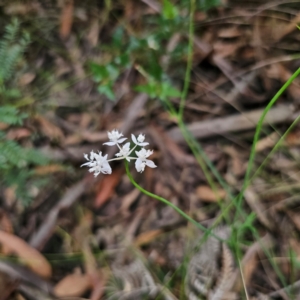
x: 121, y: 140
x: 134, y: 139
x: 106, y: 169
x: 139, y: 165
x: 143, y: 144
x: 110, y: 143
x: 86, y: 164
x: 150, y: 163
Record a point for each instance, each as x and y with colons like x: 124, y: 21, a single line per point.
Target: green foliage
x: 162, y: 91
x: 15, y: 160
x: 170, y: 11
x: 10, y: 115
x: 14, y: 167
x: 129, y: 50
x: 11, y: 48
x: 12, y: 155
x: 208, y: 4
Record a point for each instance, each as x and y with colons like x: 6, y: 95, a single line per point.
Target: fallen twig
x: 234, y: 123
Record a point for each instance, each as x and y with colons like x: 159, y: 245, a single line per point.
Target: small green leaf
x: 107, y: 90
x: 168, y: 91
x: 99, y: 72
x: 170, y: 11
x: 207, y: 4
x: 149, y: 89
x: 112, y: 71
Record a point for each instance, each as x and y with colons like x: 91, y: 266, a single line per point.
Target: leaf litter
x: 102, y: 239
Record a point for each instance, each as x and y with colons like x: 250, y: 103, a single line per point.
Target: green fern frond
x: 11, y: 49
x: 13, y: 155
x: 10, y: 115
x: 15, y: 160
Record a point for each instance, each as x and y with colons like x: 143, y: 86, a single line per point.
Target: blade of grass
x: 165, y: 201
x: 189, y: 59
x: 239, y: 199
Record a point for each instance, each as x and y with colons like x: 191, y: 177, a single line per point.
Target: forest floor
x: 195, y: 77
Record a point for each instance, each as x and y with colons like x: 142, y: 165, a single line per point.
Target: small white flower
x: 140, y: 140
x: 142, y: 160
x: 124, y: 152
x: 114, y: 138
x: 97, y: 163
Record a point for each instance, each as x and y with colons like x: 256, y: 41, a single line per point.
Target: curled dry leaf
x: 66, y: 19
x: 49, y: 129
x: 206, y: 194
x: 73, y: 285
x: 49, y: 169
x: 18, y: 133
x: 147, y: 237
x: 30, y: 256
x: 26, y: 79
x: 267, y: 142
x: 107, y: 187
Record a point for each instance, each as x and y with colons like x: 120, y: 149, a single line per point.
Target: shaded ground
x: 91, y: 67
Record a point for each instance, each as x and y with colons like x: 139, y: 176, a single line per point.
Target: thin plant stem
x: 277, y: 145
x: 256, y: 138
x: 189, y: 59
x: 170, y: 204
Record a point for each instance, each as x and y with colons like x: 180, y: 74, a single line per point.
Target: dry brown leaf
x: 229, y: 32
x: 107, y: 187
x: 20, y: 297
x: 49, y: 129
x: 206, y: 194
x: 10, y: 196
x: 3, y: 126
x: 129, y: 199
x: 18, y: 133
x: 293, y: 138
x: 96, y: 277
x: 30, y: 256
x: 73, y: 139
x: 223, y: 49
x: 254, y: 202
x: 26, y: 79
x: 88, y: 136
x: 49, y: 169
x: 73, y: 285
x: 5, y: 222
x: 5, y: 225
x: 267, y: 142
x: 294, y: 89
x: 66, y: 19
x: 294, y: 217
x: 285, y: 30
x: 19, y: 8
x: 147, y: 237
x: 237, y: 163
x: 93, y: 33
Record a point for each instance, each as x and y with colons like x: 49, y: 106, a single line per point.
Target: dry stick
x: 153, y: 4
x: 39, y: 239
x: 295, y: 288
x: 24, y: 275
x: 234, y: 123
x: 239, y: 74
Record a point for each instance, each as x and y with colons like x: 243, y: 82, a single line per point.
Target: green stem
x: 256, y: 138
x: 165, y: 201
x: 189, y: 60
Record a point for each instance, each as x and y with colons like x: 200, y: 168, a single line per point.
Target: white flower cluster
x: 99, y: 164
